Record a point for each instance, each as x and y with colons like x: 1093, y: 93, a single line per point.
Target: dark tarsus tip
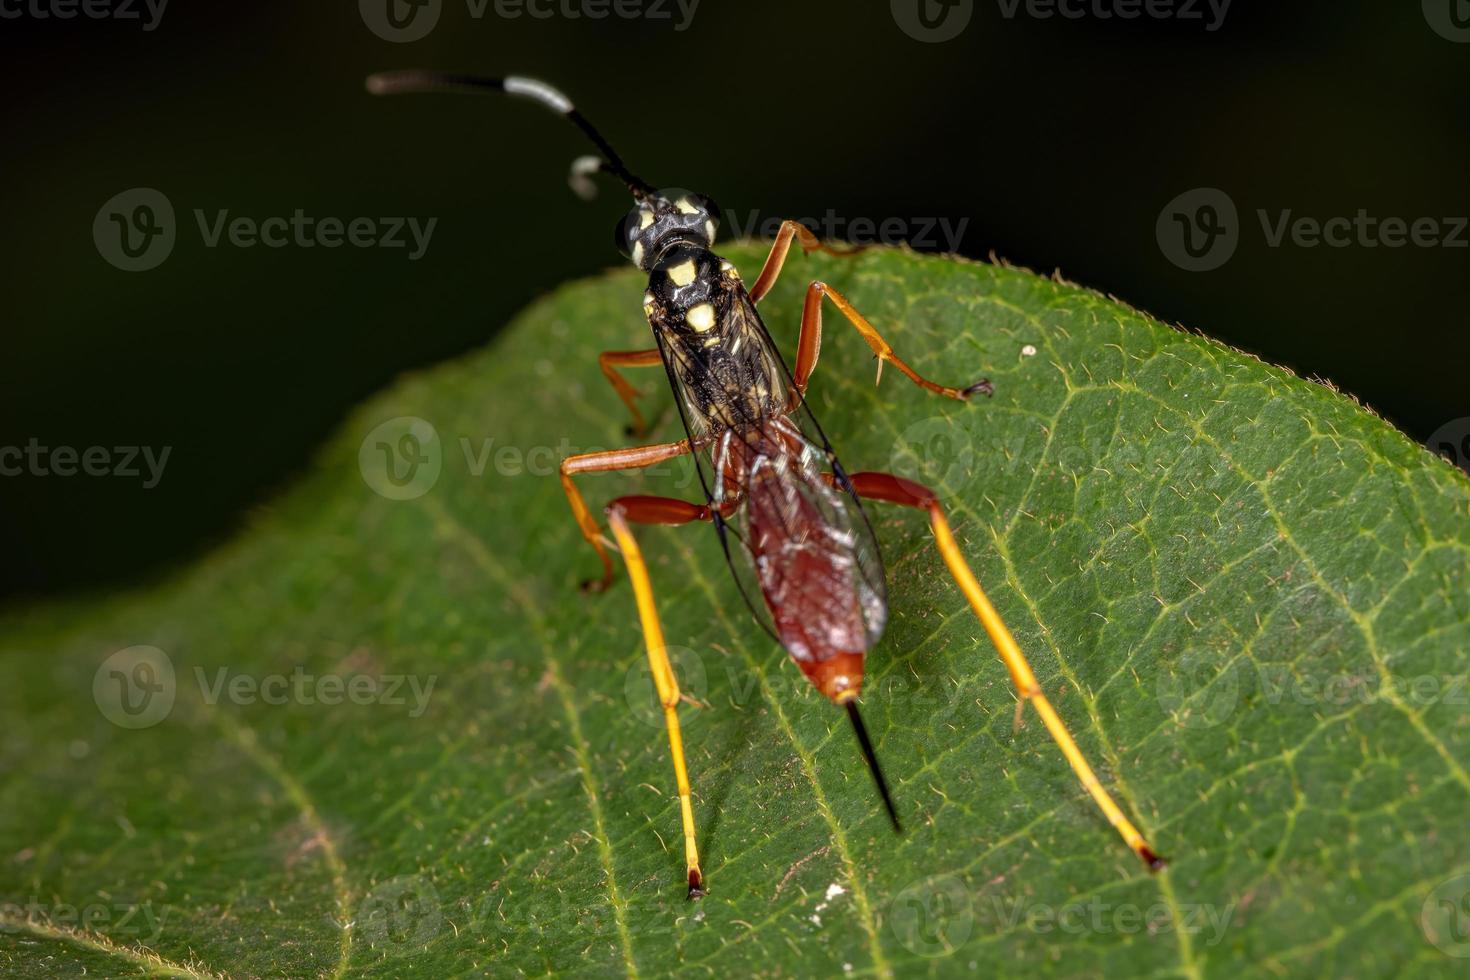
x: 593, y: 586
x: 696, y: 885
x: 1154, y: 862
x: 871, y: 758
x: 981, y: 387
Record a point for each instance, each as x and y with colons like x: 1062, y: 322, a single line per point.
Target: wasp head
x: 663, y: 220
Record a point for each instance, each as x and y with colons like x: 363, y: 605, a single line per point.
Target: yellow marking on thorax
x: 683, y: 273
x: 701, y: 317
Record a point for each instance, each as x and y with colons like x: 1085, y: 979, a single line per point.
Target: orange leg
x: 777, y: 257
x: 611, y: 360
x: 897, y: 490
x: 809, y: 345
x: 607, y: 462
x: 661, y: 510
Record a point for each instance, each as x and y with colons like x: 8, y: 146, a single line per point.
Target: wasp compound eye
x: 624, y: 234
x: 711, y: 210
x: 638, y: 234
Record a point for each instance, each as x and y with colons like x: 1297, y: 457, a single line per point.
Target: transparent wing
x: 808, y: 547
x: 808, y: 555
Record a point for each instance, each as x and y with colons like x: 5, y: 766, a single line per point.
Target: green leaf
x: 1245, y: 594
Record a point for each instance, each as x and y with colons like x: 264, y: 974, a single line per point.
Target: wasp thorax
x: 664, y: 220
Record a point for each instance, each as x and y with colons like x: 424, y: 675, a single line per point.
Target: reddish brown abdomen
x: 805, y: 567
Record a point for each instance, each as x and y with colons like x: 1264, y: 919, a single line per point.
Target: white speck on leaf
x: 1028, y: 351
x: 833, y: 890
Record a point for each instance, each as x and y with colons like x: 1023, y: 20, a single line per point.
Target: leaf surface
x: 1245, y: 594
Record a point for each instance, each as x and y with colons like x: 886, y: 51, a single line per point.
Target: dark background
x: 1061, y: 140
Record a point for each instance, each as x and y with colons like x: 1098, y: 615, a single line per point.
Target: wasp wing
x: 807, y: 548
x: 737, y: 400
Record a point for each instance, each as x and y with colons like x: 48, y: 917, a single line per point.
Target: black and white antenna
x: 399, y: 82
